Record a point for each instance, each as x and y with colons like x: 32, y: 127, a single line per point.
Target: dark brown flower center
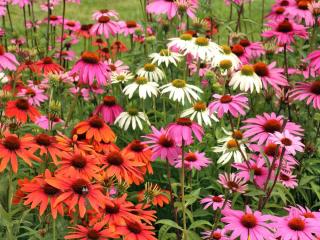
x: 244, y: 42
x: 114, y: 158
x: 217, y: 199
x: 285, y: 27
x: 90, y: 57
x: 272, y: 125
x: 232, y: 185
x: 280, y: 10
x: 238, y: 50
x: 261, y: 69
x: 315, y: 87
x: 22, y: 104
x: 71, y: 23
x: 191, y: 157
x: 184, y: 122
x: 30, y: 92
x: 44, y: 139
x: 47, y: 60
x: 271, y: 149
x: 237, y: 134
x: 134, y: 227
x: 78, y: 161
x: 11, y: 143
x: 131, y: 24
x: 136, y: 146
x: 53, y: 18
x: 303, y: 5
x: 2, y: 50
x: 286, y: 141
x: 109, y: 101
x: 284, y: 177
x: 296, y: 224
x: 104, y: 10
x: 308, y: 215
x: 284, y: 3
x: 96, y: 122
x: 50, y: 190
x: 80, y: 187
x: 93, y: 234
x: 103, y: 19
x: 226, y: 99
x: 85, y: 27
x: 249, y: 220
x: 257, y: 171
x: 112, y: 209
x: 112, y: 67
x: 166, y: 142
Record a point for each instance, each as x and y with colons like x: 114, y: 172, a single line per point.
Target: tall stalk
x: 62, y: 29
x: 182, y: 180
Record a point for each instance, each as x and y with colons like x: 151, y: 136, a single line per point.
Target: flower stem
x: 54, y: 230
x: 62, y: 29
x: 184, y: 219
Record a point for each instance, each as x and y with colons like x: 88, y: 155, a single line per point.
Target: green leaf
x: 200, y: 224
x: 170, y: 223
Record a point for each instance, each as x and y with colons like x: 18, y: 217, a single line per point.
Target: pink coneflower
x: 235, y: 105
x: 300, y: 12
x: 289, y: 142
x: 307, y: 213
x: 247, y: 225
x: 309, y: 91
x: 105, y: 26
x: 259, y: 128
x: 53, y: 20
x: 314, y: 58
x: 34, y: 95
x: 270, y: 75
x: 65, y: 55
x: 216, y: 234
x: 7, y: 60
x: 287, y: 179
x: 44, y: 121
x: 252, y: 49
x: 90, y: 68
x: 233, y: 182
x: 21, y: 3
x: 285, y: 31
x: 278, y: 13
x: 162, y: 145
x: 128, y: 27
x: 105, y: 13
x: 82, y: 92
x: 216, y: 202
x: 193, y: 160
x: 109, y: 109
x: 304, y: 69
x: 72, y: 25
x: 295, y: 227
x: 181, y: 131
x: 201, y: 70
x: 118, y: 66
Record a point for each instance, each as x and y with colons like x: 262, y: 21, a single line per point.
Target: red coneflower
x: 99, y: 42
x: 79, y: 142
x: 105, y: 148
x: 28, y: 64
x: 20, y: 109
x: 154, y: 194
x: 118, y: 47
x: 84, y: 30
x: 145, y: 213
x: 19, y: 194
x: 136, y: 230
x: 47, y: 65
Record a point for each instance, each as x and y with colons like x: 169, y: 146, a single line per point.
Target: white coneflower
x: 230, y: 148
x: 246, y: 79
x: 182, y: 42
x: 178, y: 90
x: 227, y: 60
x: 121, y: 77
x: 151, y: 72
x: 3, y: 78
x: 132, y: 118
x: 144, y: 87
x: 200, y: 112
x: 165, y: 56
x: 203, y: 49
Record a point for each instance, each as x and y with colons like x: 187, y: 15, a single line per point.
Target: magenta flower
x: 307, y: 213
x: 304, y: 69
x: 314, y: 58
x: 215, y: 234
x: 247, y: 225
x: 129, y: 27
x: 105, y: 26
x: 34, y: 95
x: 284, y: 32
x: 258, y: 129
x: 278, y: 14
x: 309, y: 91
x: 105, y: 13
x: 181, y: 131
x: 193, y: 160
x: 224, y: 104
x: 295, y: 226
x: 90, y: 68
x: 287, y: 179
x: 270, y: 75
x: 289, y: 142
x: 44, y: 122
x: 216, y: 202
x: 252, y: 49
x: 300, y: 12
x: 233, y: 182
x: 109, y: 109
x: 21, y: 3
x: 72, y: 25
x: 162, y: 145
x: 118, y: 66
x: 7, y: 60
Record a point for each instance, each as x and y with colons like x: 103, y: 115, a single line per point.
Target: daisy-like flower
x: 162, y: 145
x: 117, y: 66
x: 233, y: 182
x: 309, y: 91
x: 34, y: 95
x: 154, y: 194
x: 200, y: 113
x: 136, y: 230
x: 226, y: 60
x: 314, y: 58
x: 106, y: 13
x: 252, y: 49
x: 151, y: 72
x: 109, y: 109
x: 104, y: 26
x: 128, y: 27
x: 216, y: 202
x: 270, y: 75
x: 7, y: 60
x: 224, y: 104
x: 193, y: 160
x: 216, y: 234
x: 300, y: 12
x: 46, y: 122
x: 41, y: 194
x: 95, y: 128
x: 144, y: 87
x: 246, y: 79
x: 179, y: 89
x: 248, y: 224
x: 203, y: 48
x: 259, y: 128
x: 132, y: 118
x: 90, y: 68
x: 295, y: 227
x: 182, y: 131
x: 181, y: 43
x: 20, y: 109
x: 287, y: 179
x: 11, y: 148
x: 97, y: 232
x: 285, y: 31
x: 47, y: 66
x: 121, y: 77
x: 165, y: 56
x: 288, y: 141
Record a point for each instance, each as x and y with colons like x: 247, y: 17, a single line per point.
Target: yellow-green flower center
x: 133, y: 111
x: 149, y: 67
x: 199, y: 106
x: 247, y: 70
x: 141, y: 80
x: 202, y: 41
x: 186, y: 37
x: 225, y: 64
x: 226, y: 49
x: 179, y: 83
x: 165, y: 52
x: 120, y: 78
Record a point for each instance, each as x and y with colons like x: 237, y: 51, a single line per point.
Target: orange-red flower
x: 154, y: 194
x: 145, y: 214
x: 21, y: 110
x: 40, y: 193
x: 67, y: 144
x: 47, y: 65
x: 103, y: 147
x: 19, y: 194
x: 136, y: 230
x: 11, y: 148
x: 95, y: 129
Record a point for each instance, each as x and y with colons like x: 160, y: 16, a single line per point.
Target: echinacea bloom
x: 252, y: 49
x: 104, y: 26
x: 121, y: 77
x: 183, y: 129
x: 162, y: 145
x: 239, y: 51
x: 117, y: 66
x: 216, y: 202
x: 11, y: 148
x: 225, y: 104
x: 179, y: 89
x: 288, y: 141
x: 287, y: 179
x: 226, y: 60
x: 314, y: 58
x: 248, y: 224
x: 200, y: 113
x: 71, y: 25
x: 216, y: 234
x: 285, y: 32
x: 90, y: 68
x: 20, y: 109
x: 128, y: 27
x: 109, y: 109
x: 151, y: 72
x: 118, y: 47
x: 97, y: 232
x: 34, y: 95
x: 105, y: 13
x: 47, y: 65
x: 259, y: 128
x: 233, y: 182
x: 136, y: 230
x: 46, y: 122
x: 294, y: 226
x: 154, y: 194
x: 77, y: 191
x: 166, y: 57
x: 246, y: 79
x: 132, y: 118
x: 270, y: 75
x: 300, y: 12
x: 95, y: 128
x: 181, y: 43
x: 40, y: 193
x: 193, y: 160
x: 309, y: 91
x: 7, y: 60
x: 143, y: 86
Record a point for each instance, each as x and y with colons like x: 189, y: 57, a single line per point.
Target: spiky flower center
x: 137, y: 146
x: 296, y: 224
x: 112, y: 209
x: 315, y: 87
x: 286, y: 141
x: 217, y: 199
x: 284, y: 177
x: 247, y: 70
x: 165, y: 52
x: 226, y: 49
x: 186, y: 37
x: 47, y: 60
x: 244, y: 42
x: 53, y: 18
x: 131, y: 24
x: 11, y: 143
x: 303, y: 5
x: 109, y: 101
x: 85, y: 27
x: 133, y: 111
x: 120, y: 78
x: 179, y: 83
x: 191, y: 157
x: 2, y: 50
x: 202, y: 41
x: 141, y: 80
x: 284, y: 3
x: 285, y: 26
x: 71, y: 23
x: 93, y: 234
x: 200, y: 106
x: 114, y: 158
x: 78, y: 161
x: 225, y: 64
x: 22, y: 104
x: 272, y: 125
x: 238, y: 50
x: 261, y: 69
x: 50, y: 190
x: 215, y: 236
x: 257, y: 171
x: 309, y: 215
x: 149, y: 67
x: 44, y: 139
x: 280, y: 10
x: 232, y: 143
x: 237, y: 134
x: 271, y: 150
x: 249, y: 220
x: 184, y: 121
x: 134, y: 227
x: 96, y: 122
x: 233, y: 186
x: 103, y: 19
x: 226, y: 99
x: 81, y: 187
x: 165, y: 141
x: 90, y: 57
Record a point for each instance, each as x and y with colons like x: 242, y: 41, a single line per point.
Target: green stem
x: 54, y: 230
x: 62, y: 29
x: 184, y: 218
